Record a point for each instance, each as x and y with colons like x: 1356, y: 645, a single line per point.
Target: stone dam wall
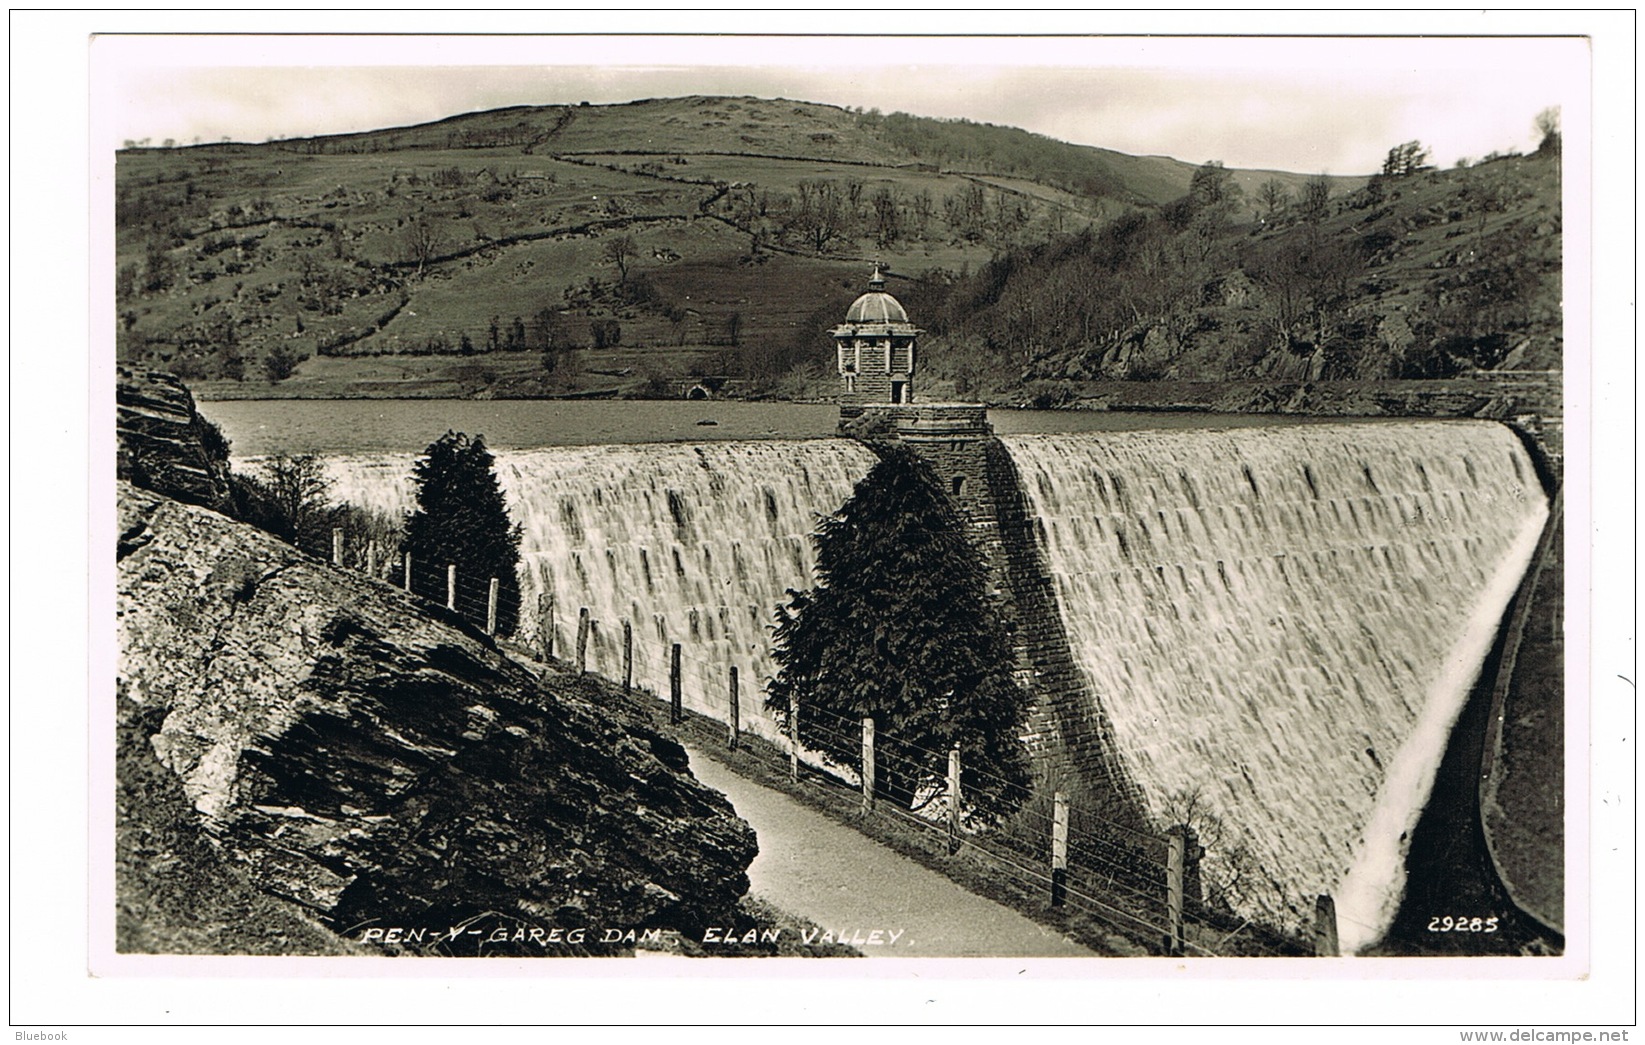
x: 1068, y: 734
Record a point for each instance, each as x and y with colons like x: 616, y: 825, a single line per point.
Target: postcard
x: 1085, y: 503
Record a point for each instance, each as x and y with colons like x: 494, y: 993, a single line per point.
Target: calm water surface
x: 348, y: 426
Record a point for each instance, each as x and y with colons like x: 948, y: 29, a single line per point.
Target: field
x: 325, y: 258
x: 639, y: 248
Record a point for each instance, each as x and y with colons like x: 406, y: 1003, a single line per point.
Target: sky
x: 1304, y: 104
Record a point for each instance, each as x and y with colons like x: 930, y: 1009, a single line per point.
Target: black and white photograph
x: 1093, y: 502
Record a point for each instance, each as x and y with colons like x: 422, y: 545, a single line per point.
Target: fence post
x: 867, y: 764
x: 451, y: 586
x: 674, y: 685
x: 1325, y: 927
x: 953, y: 800
x: 793, y: 736
x: 732, y: 727
x: 491, y: 607
x: 628, y: 657
x: 548, y: 629
x: 545, y: 613
x: 408, y: 572
x: 371, y: 559
x: 1059, y: 848
x: 336, y: 547
x: 582, y: 640
x: 1176, y: 844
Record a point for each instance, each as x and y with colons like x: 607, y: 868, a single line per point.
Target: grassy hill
x: 635, y: 248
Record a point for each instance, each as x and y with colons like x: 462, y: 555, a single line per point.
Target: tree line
x: 825, y: 214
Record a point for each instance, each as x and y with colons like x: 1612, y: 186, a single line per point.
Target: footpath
x: 864, y: 894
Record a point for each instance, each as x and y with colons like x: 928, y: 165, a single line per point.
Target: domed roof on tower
x: 876, y: 306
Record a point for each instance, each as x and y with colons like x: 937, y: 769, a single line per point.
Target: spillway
x: 1282, y: 625
x: 690, y: 543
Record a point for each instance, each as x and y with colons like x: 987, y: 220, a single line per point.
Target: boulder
x: 165, y: 445
x: 359, y: 757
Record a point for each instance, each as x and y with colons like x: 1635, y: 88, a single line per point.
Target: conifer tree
x: 462, y: 520
x: 900, y: 628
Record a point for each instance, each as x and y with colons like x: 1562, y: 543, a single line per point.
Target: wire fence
x: 1136, y: 881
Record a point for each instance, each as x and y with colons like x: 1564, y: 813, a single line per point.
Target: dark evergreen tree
x: 900, y: 628
x: 462, y: 520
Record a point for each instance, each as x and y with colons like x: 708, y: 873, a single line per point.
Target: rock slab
x: 357, y: 757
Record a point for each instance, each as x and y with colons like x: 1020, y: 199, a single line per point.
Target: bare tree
x: 619, y: 251
x: 967, y: 211
x: 748, y: 212
x: 1486, y: 194
x: 924, y: 207
x: 820, y: 216
x: 1213, y: 185
x: 422, y: 242
x: 297, y: 488
x: 887, y: 216
x: 853, y: 192
x: 1273, y: 195
x: 1316, y: 198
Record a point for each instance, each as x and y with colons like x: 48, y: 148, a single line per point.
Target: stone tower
x: 874, y: 349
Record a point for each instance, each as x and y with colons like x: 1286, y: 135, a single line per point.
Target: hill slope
x: 543, y: 250
x: 1431, y: 275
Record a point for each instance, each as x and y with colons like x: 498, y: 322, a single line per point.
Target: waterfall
x: 1282, y: 626
x: 689, y: 543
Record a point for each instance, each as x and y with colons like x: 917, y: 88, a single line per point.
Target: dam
x: 1276, y: 627
x: 1262, y: 636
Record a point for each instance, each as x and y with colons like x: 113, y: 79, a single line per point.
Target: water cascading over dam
x: 695, y: 544
x: 1281, y: 626
x: 1278, y: 625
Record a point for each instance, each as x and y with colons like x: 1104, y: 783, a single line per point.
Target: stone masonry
x: 1068, y: 734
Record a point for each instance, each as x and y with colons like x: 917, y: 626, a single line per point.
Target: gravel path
x: 851, y: 886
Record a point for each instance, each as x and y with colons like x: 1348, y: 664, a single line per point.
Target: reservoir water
x: 258, y: 427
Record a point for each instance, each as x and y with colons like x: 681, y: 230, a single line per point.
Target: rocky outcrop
x: 175, y: 891
x: 375, y: 766
x: 164, y: 445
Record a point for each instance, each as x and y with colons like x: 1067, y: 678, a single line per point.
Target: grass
x: 284, y: 246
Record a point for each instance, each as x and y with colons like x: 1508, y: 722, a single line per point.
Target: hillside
x: 1429, y: 275
x: 574, y: 249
